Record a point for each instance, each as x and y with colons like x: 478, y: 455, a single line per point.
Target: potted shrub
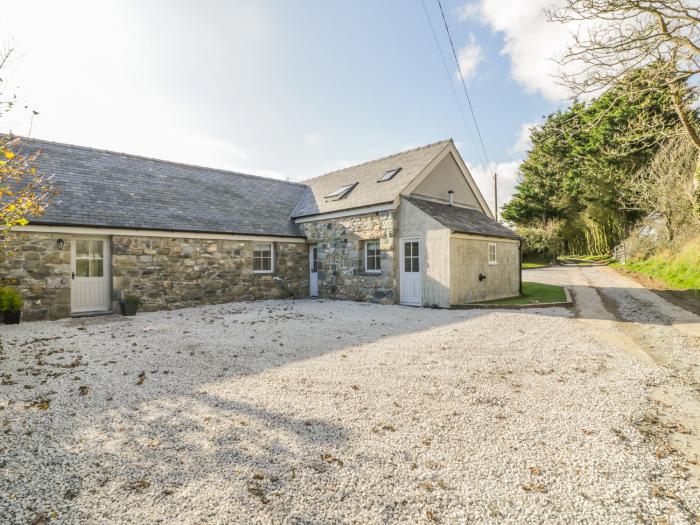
x: 129, y: 305
x: 10, y: 305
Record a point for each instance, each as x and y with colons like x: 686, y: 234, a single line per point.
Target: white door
x: 313, y: 269
x: 90, y: 288
x: 410, y: 272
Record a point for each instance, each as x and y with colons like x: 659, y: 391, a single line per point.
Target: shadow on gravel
x: 622, y: 304
x: 154, y: 405
x: 163, y: 445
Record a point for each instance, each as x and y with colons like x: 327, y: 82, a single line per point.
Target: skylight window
x: 388, y: 175
x: 341, y: 192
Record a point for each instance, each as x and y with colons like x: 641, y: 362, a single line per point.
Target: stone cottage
x: 411, y: 228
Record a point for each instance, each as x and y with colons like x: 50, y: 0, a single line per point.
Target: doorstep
x: 91, y: 314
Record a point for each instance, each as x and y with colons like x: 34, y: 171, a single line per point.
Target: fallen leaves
x: 138, y: 485
x: 41, y: 404
x: 141, y: 378
x: 659, y: 492
x: 426, y: 485
x: 83, y: 390
x: 330, y: 458
x: 534, y: 487
x: 383, y: 427
x: 255, y: 490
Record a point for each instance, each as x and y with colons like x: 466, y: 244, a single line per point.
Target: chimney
x: 450, y: 197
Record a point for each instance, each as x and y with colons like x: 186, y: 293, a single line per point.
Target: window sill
x: 263, y: 272
x: 373, y: 274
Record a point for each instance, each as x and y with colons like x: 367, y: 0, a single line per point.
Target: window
x: 411, y: 257
x: 262, y: 258
x: 314, y: 259
x: 341, y: 192
x: 493, y: 254
x: 388, y: 175
x: 372, y: 257
x: 89, y: 258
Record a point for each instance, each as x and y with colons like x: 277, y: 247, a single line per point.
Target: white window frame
x: 367, y: 270
x: 495, y: 253
x: 272, y: 256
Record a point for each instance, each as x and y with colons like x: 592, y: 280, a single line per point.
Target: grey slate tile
x: 463, y: 220
x: 107, y: 189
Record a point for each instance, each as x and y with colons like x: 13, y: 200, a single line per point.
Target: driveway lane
x: 624, y: 315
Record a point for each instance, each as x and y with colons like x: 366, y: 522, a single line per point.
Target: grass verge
x: 534, y: 293
x: 533, y: 265
x: 585, y: 259
x: 680, y: 271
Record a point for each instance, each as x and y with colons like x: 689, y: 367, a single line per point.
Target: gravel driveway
x: 330, y: 412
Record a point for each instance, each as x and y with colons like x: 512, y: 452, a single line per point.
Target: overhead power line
x: 464, y: 84
x: 449, y: 78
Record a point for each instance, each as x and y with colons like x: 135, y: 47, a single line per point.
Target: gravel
x: 329, y: 412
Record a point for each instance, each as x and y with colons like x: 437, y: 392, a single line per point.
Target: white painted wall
x: 434, y: 255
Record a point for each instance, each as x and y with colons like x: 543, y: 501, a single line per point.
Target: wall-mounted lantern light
x: 59, y: 244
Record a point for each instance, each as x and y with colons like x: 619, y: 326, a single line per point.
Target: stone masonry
x: 341, y: 245
x: 32, y: 264
x: 167, y: 273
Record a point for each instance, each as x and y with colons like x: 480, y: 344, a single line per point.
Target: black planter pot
x: 11, y: 317
x: 128, y: 308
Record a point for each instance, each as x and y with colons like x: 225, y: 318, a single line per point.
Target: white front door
x: 410, y: 272
x: 313, y: 269
x: 90, y: 279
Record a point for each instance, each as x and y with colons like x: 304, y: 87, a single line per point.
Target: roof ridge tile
x: 153, y: 159
x: 411, y: 150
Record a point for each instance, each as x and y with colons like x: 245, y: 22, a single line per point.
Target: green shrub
x: 10, y: 300
x: 541, y: 243
x: 132, y: 299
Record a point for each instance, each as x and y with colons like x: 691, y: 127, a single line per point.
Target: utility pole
x: 495, y: 196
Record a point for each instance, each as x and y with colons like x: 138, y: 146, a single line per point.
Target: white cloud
x: 531, y: 43
x: 508, y: 173
x: 468, y: 11
x: 470, y: 56
x: 522, y: 143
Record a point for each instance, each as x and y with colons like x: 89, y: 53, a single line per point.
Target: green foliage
x: 132, y: 299
x: 10, y: 300
x: 534, y: 265
x: 580, y: 160
x: 535, y: 293
x: 678, y: 269
x: 541, y: 242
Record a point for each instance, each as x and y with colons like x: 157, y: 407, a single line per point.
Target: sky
x: 285, y: 89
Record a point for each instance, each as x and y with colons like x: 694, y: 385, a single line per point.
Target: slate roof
x: 463, y: 220
x: 368, y: 191
x: 108, y: 189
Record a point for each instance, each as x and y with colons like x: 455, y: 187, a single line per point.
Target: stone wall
x: 341, y: 247
x: 165, y: 273
x: 171, y: 273
x: 32, y: 264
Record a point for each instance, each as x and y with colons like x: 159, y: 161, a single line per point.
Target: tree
x: 665, y: 186
x: 24, y: 192
x: 581, y: 159
x: 616, y: 37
